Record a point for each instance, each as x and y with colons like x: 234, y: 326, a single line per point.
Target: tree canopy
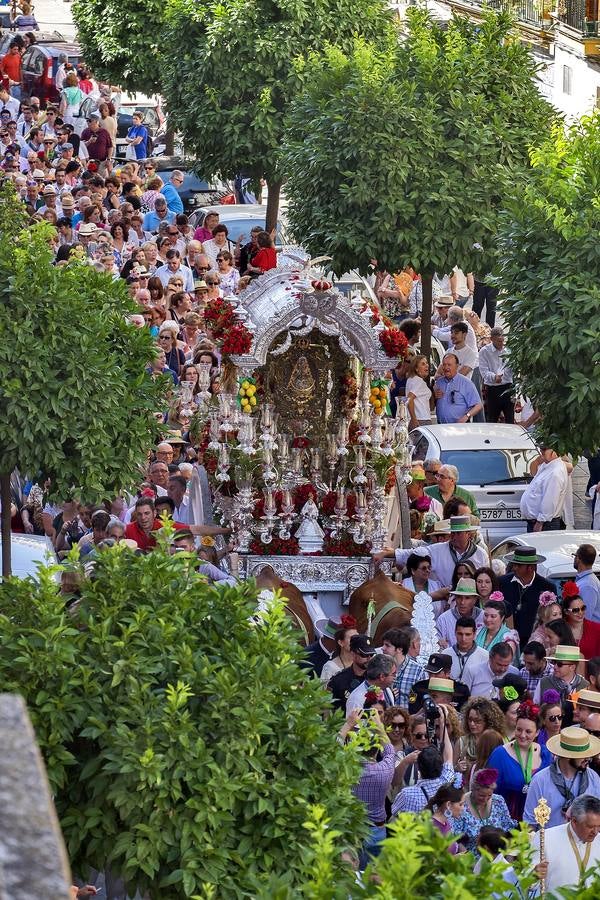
x: 77, y: 404
x: 184, y: 745
x: 549, y: 265
x: 230, y: 72
x: 122, y: 42
x: 404, y: 153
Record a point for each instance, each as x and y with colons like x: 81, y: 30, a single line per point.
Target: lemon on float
x: 251, y: 390
x: 245, y: 384
x: 253, y: 401
x: 243, y: 392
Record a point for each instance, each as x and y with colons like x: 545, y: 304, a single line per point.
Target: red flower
x: 570, y: 590
x: 237, y: 342
x: 301, y: 442
x: 394, y: 342
x: 277, y: 547
x: 302, y: 493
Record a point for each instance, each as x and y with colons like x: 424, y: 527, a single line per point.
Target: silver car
x: 493, y: 462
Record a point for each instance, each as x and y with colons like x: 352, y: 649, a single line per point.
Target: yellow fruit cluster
x: 247, y: 395
x: 378, y: 398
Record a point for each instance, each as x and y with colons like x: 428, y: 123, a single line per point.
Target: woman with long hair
x: 157, y: 291
x: 585, y: 632
x: 486, y: 582
x: 548, y: 610
x: 519, y: 760
x: 551, y: 716
x: 342, y: 655
x: 418, y: 392
x: 478, y: 715
x: 487, y: 742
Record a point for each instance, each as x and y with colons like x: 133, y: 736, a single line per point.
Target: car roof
x: 27, y: 550
x: 237, y: 211
x: 485, y: 436
x: 558, y: 547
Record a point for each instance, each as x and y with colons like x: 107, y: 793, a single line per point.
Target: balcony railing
x: 526, y: 11
x: 582, y: 15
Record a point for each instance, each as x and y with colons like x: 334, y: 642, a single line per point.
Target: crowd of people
x: 506, y: 712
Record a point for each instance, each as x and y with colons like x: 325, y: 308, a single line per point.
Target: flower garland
x: 237, y: 342
x: 219, y: 317
x: 344, y: 546
x: 276, y: 547
x: 394, y: 342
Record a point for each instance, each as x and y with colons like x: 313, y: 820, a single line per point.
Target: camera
x: 430, y: 708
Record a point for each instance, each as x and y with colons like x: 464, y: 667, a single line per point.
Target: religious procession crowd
x: 507, y: 709
x: 504, y: 713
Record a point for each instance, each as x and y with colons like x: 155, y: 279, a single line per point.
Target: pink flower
x: 547, y: 598
x: 496, y: 596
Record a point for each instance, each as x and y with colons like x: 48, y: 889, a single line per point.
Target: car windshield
x: 490, y: 466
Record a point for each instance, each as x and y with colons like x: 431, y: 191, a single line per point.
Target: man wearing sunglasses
x: 568, y: 777
x: 456, y: 396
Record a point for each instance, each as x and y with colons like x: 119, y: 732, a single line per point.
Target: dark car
x: 195, y: 191
x: 40, y: 65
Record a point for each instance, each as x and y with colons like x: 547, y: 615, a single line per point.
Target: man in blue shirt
x: 587, y: 582
x: 152, y: 220
x: 457, y: 399
x: 170, y: 192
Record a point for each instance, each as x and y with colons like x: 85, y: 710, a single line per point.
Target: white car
x: 559, y: 549
x: 493, y: 462
x: 28, y: 551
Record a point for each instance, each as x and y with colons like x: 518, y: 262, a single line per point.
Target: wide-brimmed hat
x: 460, y: 523
x: 566, y: 653
x: 174, y: 436
x: 87, y: 228
x: 200, y: 284
x: 444, y: 301
x: 574, y: 743
x: 417, y: 474
x: 588, y: 698
x: 524, y: 556
x: 466, y: 587
x: 443, y: 685
x: 327, y: 627
x: 441, y: 527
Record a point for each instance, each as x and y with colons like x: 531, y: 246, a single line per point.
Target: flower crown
x: 496, y: 597
x: 528, y: 710
x: 569, y: 590
x: 510, y: 693
x: 547, y: 598
x: 551, y: 696
x: 348, y: 622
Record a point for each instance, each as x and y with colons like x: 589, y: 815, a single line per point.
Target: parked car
x: 28, y: 551
x: 559, y: 549
x: 493, y: 462
x: 240, y: 218
x: 153, y: 118
x: 40, y: 65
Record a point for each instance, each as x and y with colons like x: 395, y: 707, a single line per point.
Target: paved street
x: 55, y: 14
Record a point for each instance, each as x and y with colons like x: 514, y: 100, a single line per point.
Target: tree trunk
x: 169, y: 142
x: 273, y: 205
x: 427, y: 285
x: 5, y: 500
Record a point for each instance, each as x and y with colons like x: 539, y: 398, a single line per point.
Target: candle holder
x: 270, y: 516
x: 287, y: 516
x: 340, y: 516
x: 247, y: 434
x: 269, y: 474
x: 242, y: 511
x: 359, y: 529
x: 223, y: 465
x: 204, y: 393
x: 215, y: 430
x: 226, y: 407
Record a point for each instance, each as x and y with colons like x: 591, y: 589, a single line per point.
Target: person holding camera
x: 435, y: 769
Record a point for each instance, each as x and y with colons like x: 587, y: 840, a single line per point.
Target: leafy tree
x: 123, y: 42
x: 550, y: 266
x: 184, y: 746
x: 404, y: 154
x: 230, y: 74
x: 77, y: 404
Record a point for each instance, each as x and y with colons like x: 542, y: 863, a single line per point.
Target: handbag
x: 130, y: 152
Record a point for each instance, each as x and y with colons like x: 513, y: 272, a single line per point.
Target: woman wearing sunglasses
x: 396, y: 721
x: 585, y: 632
x: 551, y: 716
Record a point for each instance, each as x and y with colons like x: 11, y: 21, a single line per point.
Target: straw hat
x: 466, y: 587
x: 460, y: 523
x: 441, y: 527
x: 565, y: 653
x: 442, y: 685
x: 574, y: 743
x: 590, y: 699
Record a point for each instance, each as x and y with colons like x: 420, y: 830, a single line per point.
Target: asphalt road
x: 55, y: 15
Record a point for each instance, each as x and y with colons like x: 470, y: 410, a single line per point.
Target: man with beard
x: 343, y: 683
x: 567, y: 778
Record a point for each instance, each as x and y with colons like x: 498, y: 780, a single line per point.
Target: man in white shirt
x: 467, y: 657
x: 173, y: 267
x: 587, y: 582
x: 572, y: 850
x: 444, y: 557
x: 468, y: 359
x: 492, y: 670
x: 497, y: 375
x: 455, y: 315
x: 176, y: 490
x: 463, y: 600
x: 381, y: 674
x: 543, y: 499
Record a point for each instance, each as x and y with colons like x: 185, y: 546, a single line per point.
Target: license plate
x: 496, y: 514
